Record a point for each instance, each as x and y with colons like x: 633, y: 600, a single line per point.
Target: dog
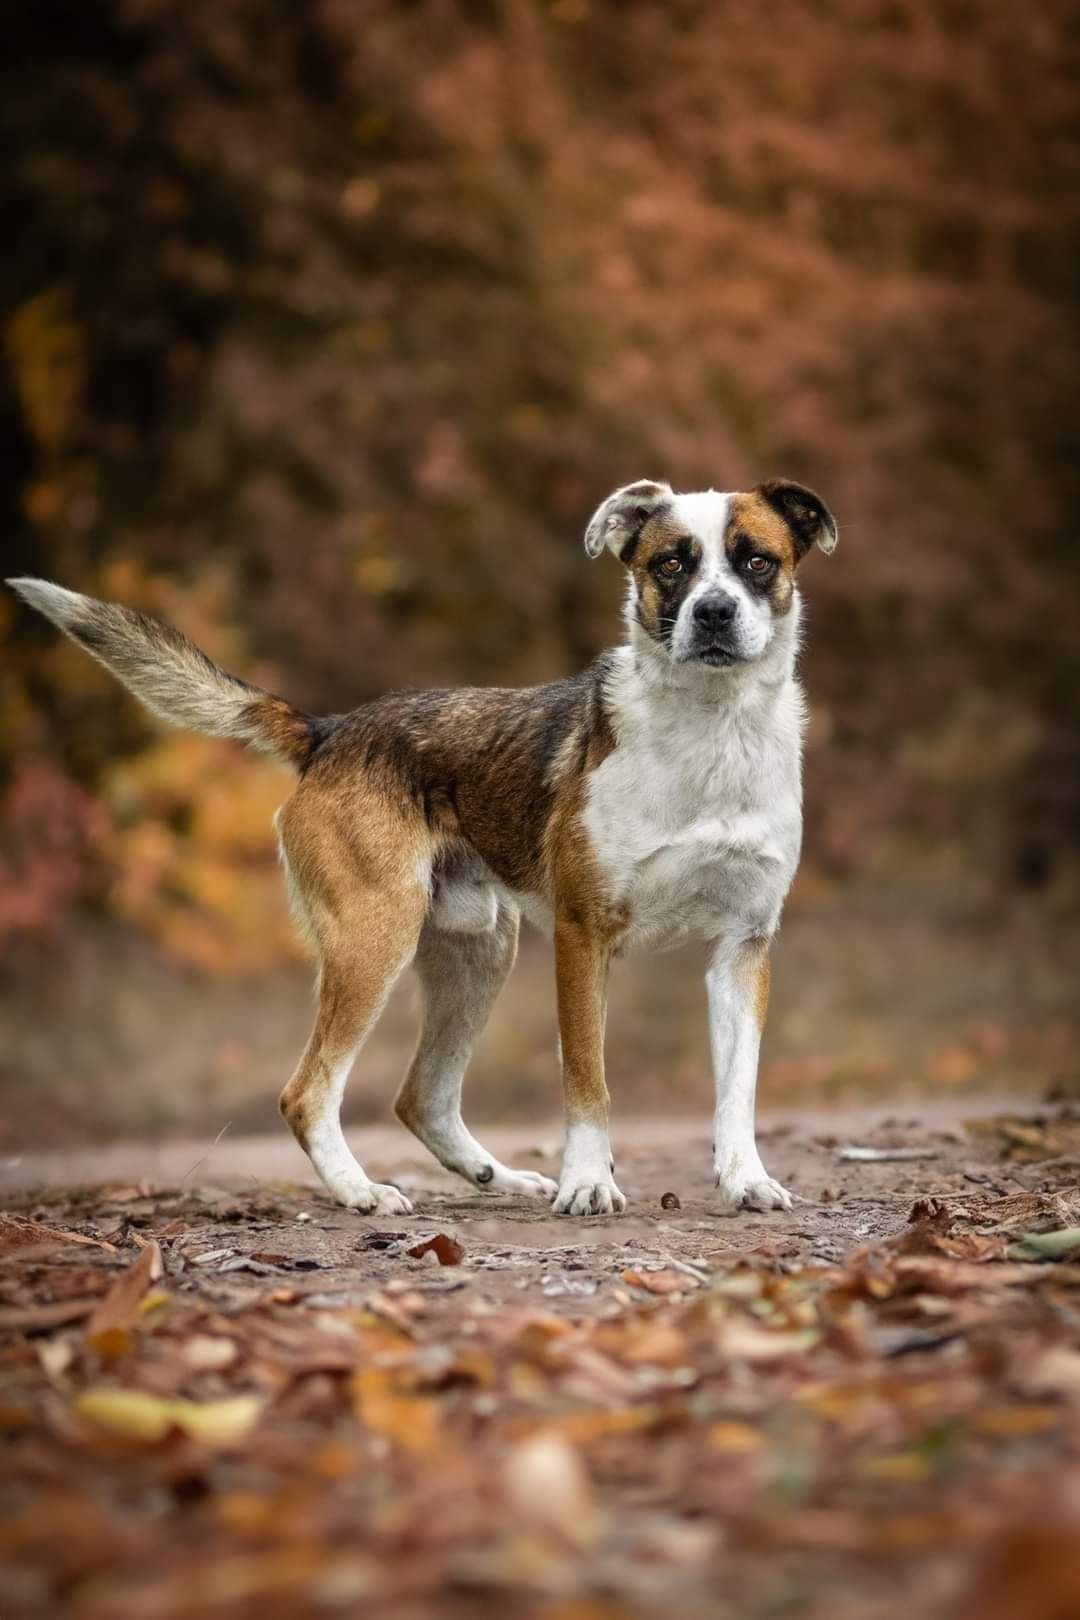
x: 652, y: 799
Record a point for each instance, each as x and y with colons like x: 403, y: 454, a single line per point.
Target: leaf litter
x: 827, y: 1413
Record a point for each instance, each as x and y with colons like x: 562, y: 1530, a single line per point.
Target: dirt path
x: 671, y: 1411
x: 838, y: 1204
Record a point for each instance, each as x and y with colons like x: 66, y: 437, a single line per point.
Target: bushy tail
x: 173, y: 678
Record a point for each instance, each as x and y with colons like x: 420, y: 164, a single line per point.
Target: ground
x: 220, y: 1393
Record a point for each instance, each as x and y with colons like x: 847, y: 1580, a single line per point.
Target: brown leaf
x: 446, y: 1249
x: 1030, y: 1570
x: 37, y: 1318
x: 19, y: 1232
x: 109, y: 1328
x: 409, y: 1421
x: 659, y: 1282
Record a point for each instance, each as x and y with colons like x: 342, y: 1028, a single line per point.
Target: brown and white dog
x: 652, y: 799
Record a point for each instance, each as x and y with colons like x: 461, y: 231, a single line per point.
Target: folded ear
x: 620, y: 519
x: 805, y: 514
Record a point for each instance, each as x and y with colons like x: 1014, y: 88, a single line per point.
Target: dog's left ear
x: 618, y: 520
x: 805, y: 514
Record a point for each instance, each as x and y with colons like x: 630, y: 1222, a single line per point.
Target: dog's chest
x: 696, y: 826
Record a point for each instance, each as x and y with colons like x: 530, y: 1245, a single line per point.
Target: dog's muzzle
x: 713, y: 618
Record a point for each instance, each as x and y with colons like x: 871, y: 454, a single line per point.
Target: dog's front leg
x: 738, y: 986
x: 587, y: 1184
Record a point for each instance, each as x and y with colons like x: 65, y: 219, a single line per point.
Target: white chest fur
x: 695, y: 817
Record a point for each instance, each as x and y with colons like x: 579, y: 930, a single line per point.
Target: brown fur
x: 752, y: 519
x: 447, y: 777
x: 587, y: 931
x: 483, y: 766
x: 352, y: 860
x: 659, y: 597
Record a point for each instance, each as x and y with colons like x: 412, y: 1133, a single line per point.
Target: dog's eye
x: 759, y: 565
x: 671, y: 566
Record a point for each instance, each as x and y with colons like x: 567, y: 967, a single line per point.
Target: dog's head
x: 712, y: 576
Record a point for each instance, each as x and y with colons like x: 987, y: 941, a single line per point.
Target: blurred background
x: 325, y: 328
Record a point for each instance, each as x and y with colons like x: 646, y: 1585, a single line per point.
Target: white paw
x: 523, y: 1184
x: 600, y: 1197
x: 751, y: 1189
x: 387, y: 1200
x: 368, y: 1197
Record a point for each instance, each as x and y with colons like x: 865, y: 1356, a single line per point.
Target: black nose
x: 715, y: 611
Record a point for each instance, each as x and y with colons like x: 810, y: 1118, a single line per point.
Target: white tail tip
x: 62, y: 606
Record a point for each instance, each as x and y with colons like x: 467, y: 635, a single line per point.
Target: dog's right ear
x: 618, y: 521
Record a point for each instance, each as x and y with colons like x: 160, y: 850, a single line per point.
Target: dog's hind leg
x: 365, y: 925
x: 460, y: 976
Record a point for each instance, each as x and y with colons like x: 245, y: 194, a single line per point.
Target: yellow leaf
x: 734, y: 1437
x: 136, y: 1415
x: 901, y: 1468
x: 1016, y: 1422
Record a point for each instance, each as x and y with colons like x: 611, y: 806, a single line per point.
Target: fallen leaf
x: 19, y: 1232
x: 1045, y: 1245
x: 549, y: 1488
x: 55, y: 1356
x: 136, y: 1415
x: 748, y: 1342
x: 1053, y: 1371
x: 735, y: 1438
x: 407, y: 1420
x: 658, y: 1282
x: 447, y: 1250
x: 899, y: 1468
x: 109, y: 1329
x: 1019, y: 1422
x: 37, y: 1318
x: 208, y: 1354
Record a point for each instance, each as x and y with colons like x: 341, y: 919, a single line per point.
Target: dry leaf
x: 109, y: 1328
x: 659, y: 1282
x: 35, y: 1318
x: 549, y: 1488
x: 407, y: 1420
x: 19, y: 1232
x: 739, y: 1338
x: 207, y: 1354
x: 738, y: 1438
x: 55, y: 1356
x: 1046, y: 1245
x: 135, y: 1415
x: 447, y: 1250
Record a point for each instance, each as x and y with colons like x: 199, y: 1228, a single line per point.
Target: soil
x: 735, y: 1414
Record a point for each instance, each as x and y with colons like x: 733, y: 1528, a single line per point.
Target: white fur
x: 329, y: 1152
x: 735, y: 1037
x: 459, y: 980
x: 464, y: 908
x: 696, y: 820
x: 705, y: 516
x: 587, y: 1183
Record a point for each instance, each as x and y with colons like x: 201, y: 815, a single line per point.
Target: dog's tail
x: 173, y: 678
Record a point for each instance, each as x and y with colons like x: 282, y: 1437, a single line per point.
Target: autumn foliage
x: 326, y: 326
x: 863, y: 1409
